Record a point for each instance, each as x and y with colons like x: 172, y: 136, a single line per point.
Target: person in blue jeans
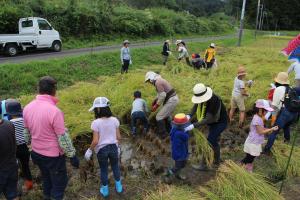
x: 106, y: 138
x: 139, y: 111
x: 209, y: 110
x: 180, y: 145
x: 284, y: 120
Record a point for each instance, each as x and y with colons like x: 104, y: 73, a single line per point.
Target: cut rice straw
x: 281, y: 152
x: 234, y: 182
x: 203, y: 148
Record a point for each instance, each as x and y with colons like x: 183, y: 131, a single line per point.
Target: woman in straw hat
x: 209, y: 110
x: 166, y: 51
x: 284, y: 118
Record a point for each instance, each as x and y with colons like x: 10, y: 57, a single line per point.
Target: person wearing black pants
x: 125, y: 57
x: 23, y: 156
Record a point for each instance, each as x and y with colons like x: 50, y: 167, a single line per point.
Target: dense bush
x: 99, y: 17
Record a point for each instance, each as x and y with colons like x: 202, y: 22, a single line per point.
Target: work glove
x: 74, y: 162
x: 154, y: 102
x: 189, y: 128
x: 169, y: 52
x: 188, y: 117
x: 154, y: 108
x: 250, y: 83
x: 88, y: 154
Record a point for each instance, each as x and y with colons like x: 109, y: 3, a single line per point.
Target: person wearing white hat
x: 106, y: 138
x: 183, y: 52
x: 167, y: 97
x: 166, y: 51
x: 210, y: 55
x: 209, y: 110
x: 125, y: 57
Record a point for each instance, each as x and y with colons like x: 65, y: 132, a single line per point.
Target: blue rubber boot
x: 119, y: 187
x: 104, y: 191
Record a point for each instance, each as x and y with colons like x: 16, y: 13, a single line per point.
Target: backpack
x: 291, y: 100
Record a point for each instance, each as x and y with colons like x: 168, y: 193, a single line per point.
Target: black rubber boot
x: 217, y: 155
x: 161, y: 126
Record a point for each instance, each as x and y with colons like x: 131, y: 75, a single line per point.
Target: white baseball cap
x: 213, y: 45
x: 100, y: 102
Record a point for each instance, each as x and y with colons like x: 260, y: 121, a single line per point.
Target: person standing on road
x: 296, y: 68
x: 8, y: 161
x: 210, y: 56
x: 209, y: 110
x: 50, y: 141
x: 166, y: 51
x: 125, y: 57
x: 106, y: 138
x: 167, y: 97
x: 14, y: 110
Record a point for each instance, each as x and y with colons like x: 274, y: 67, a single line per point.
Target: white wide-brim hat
x: 201, y: 93
x: 100, y: 102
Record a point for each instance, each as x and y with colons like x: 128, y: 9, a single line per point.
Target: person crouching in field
x: 106, y: 138
x: 14, y: 110
x: 239, y: 94
x: 166, y: 51
x: 139, y: 111
x: 255, y: 139
x: 180, y: 142
x: 197, y: 61
x: 209, y: 56
x: 125, y: 57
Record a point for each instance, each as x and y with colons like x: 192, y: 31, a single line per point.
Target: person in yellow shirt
x: 210, y: 56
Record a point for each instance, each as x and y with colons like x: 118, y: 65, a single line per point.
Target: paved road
x: 43, y: 55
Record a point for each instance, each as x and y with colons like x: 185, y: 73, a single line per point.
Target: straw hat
x: 126, y: 42
x: 241, y: 71
x: 201, y: 93
x: 180, y: 119
x: 167, y: 41
x: 282, y: 78
x: 178, y: 42
x: 264, y: 104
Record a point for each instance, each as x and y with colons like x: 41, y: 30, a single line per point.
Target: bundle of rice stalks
x: 167, y: 192
x: 233, y: 182
x: 281, y: 152
x: 203, y: 148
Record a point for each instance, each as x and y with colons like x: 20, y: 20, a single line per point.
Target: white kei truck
x: 34, y: 33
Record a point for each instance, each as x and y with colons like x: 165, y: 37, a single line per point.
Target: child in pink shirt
x: 106, y: 137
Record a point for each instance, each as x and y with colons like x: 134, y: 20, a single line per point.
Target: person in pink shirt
x: 50, y: 141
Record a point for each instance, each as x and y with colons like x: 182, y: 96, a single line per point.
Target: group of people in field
x: 41, y: 126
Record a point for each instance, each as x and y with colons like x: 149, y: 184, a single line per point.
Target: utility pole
x: 257, y: 17
x: 261, y: 16
x: 242, y: 23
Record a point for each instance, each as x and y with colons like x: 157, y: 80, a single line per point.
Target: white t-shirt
x: 295, y: 67
x: 278, y: 97
x: 183, y: 53
x: 107, y: 129
x: 238, y: 85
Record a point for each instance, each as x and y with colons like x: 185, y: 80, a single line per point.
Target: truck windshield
x: 27, y: 23
x: 43, y: 25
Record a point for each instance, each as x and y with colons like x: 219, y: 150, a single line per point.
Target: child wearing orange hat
x: 179, y: 142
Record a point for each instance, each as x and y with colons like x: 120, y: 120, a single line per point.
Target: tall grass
x: 234, y: 182
x: 203, y: 148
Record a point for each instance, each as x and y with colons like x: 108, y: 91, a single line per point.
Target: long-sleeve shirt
x: 295, y: 67
x: 166, y: 48
x: 139, y: 105
x: 125, y: 54
x: 215, y: 112
x: 162, y: 88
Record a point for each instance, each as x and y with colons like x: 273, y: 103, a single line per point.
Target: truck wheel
x: 56, y: 46
x: 11, y: 50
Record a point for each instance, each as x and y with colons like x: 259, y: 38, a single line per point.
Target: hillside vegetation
x: 74, y: 18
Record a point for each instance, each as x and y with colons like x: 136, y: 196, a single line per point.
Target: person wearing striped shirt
x: 14, y: 111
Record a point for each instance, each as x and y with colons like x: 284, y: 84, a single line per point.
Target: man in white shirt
x: 296, y: 68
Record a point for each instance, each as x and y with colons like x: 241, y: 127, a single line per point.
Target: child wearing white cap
x: 106, y: 138
x: 255, y: 139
